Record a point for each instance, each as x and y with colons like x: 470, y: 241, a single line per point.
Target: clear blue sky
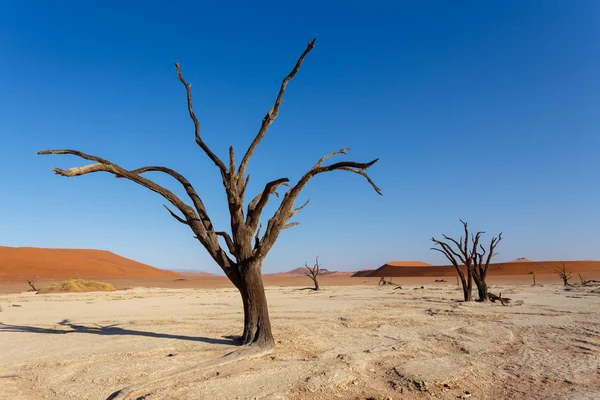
x: 483, y: 110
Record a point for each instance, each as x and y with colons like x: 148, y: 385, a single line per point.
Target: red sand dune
x: 362, y: 273
x: 408, y: 264
x: 508, y: 268
x: 33, y: 263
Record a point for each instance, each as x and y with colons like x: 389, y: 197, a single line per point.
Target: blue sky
x: 481, y: 110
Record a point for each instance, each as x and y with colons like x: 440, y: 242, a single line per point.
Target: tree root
x: 246, y: 352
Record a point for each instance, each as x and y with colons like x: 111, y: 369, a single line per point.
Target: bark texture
x: 241, y: 249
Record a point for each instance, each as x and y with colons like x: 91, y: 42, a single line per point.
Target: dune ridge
x: 505, y: 268
x: 34, y: 263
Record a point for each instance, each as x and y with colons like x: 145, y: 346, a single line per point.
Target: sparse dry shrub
x: 77, y: 285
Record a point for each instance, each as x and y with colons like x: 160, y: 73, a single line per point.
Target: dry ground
x: 346, y: 342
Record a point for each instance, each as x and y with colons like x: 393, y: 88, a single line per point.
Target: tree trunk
x: 466, y: 286
x: 257, y: 327
x: 482, y: 290
x: 317, y: 285
x: 469, y: 291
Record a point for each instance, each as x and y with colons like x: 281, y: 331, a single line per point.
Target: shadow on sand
x: 110, y: 330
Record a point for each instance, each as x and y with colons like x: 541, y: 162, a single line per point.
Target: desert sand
x: 345, y: 342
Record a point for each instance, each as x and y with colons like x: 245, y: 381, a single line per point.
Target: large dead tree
x: 245, y: 247
x: 470, y: 256
x: 313, y: 272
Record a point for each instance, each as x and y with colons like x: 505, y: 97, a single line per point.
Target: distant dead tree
x: 584, y: 280
x: 313, y: 272
x: 32, y: 285
x: 383, y: 282
x: 563, y: 273
x: 245, y: 249
x: 533, y: 273
x: 471, y: 256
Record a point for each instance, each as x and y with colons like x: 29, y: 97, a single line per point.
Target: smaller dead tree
x: 533, y: 273
x: 472, y: 256
x: 563, y: 273
x: 584, y: 280
x: 503, y: 301
x: 313, y: 273
x: 383, y: 282
x: 32, y: 285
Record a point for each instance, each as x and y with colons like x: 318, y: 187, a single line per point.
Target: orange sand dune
x: 408, y: 264
x: 19, y: 263
x: 508, y: 268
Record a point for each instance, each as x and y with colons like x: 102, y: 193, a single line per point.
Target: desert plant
x: 77, y: 285
x: 563, y: 273
x: 470, y: 256
x: 245, y: 247
x: 533, y: 274
x: 313, y: 272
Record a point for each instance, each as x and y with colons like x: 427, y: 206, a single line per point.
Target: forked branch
x: 274, y: 111
x: 286, y: 210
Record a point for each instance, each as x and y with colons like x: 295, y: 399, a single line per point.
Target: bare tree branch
x: 290, y: 225
x: 230, y: 245
x: 295, y: 210
x: 206, y: 236
x: 177, y: 217
x: 199, y: 140
x: 273, y: 112
x: 256, y: 237
x: 198, y: 204
x: 285, y: 210
x: 256, y: 206
x: 231, y: 160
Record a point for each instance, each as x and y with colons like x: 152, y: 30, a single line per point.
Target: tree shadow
x: 110, y: 330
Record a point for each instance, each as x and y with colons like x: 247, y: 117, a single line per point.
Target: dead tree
x: 533, y: 273
x: 563, y: 273
x: 33, y: 288
x: 461, y: 256
x: 245, y: 248
x: 471, y: 255
x: 584, y: 280
x: 503, y: 301
x: 313, y: 273
x: 383, y: 282
x: 480, y: 269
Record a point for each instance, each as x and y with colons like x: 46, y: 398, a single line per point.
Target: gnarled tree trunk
x: 257, y: 327
x: 482, y: 290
